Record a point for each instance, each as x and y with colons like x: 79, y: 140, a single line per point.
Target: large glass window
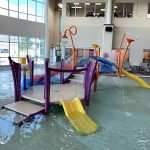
x: 80, y: 10
x: 85, y: 9
x: 17, y: 47
x: 13, y: 14
x: 122, y: 10
x: 3, y: 12
x: 13, y: 5
x: 32, y: 10
x: 4, y: 4
x: 22, y: 46
x: 31, y: 7
x: 23, y: 6
x: 31, y: 47
x: 14, y: 46
x: 4, y: 49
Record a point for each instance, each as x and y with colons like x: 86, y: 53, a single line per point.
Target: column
x: 47, y: 46
x: 108, y: 30
x: 109, y: 11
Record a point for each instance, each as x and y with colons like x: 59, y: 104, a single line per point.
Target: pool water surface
x: 120, y: 108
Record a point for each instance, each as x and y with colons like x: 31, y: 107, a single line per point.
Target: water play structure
x: 119, y: 68
x: 38, y: 98
x: 73, y: 86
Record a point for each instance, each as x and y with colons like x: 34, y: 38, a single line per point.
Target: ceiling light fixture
x: 60, y: 5
x: 102, y: 9
x: 76, y: 3
x: 98, y: 3
x: 76, y: 7
x: 87, y: 3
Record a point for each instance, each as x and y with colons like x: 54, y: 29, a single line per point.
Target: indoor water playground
x: 74, y: 75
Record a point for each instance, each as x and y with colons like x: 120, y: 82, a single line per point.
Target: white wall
x: 90, y: 29
x: 54, y: 24
x: 17, y: 27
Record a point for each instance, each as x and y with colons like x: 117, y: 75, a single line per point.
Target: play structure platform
x: 58, y: 91
x: 38, y: 98
x: 25, y: 108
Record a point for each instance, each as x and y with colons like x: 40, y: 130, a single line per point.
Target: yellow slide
x: 79, y: 119
x: 140, y: 81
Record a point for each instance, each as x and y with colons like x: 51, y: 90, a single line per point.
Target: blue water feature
x: 106, y: 66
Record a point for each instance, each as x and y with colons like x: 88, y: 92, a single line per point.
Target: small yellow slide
x: 79, y: 119
x: 140, y: 81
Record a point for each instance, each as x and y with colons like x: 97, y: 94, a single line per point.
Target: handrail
x: 65, y: 70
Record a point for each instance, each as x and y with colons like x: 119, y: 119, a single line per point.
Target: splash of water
x: 118, y: 82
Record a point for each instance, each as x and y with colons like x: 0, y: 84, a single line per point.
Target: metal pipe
x: 109, y: 11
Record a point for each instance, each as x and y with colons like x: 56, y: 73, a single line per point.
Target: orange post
x: 72, y: 32
x: 97, y: 54
x: 122, y: 55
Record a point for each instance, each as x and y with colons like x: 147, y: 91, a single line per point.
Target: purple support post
x: 88, y: 81
x: 16, y: 72
x: 47, y: 85
x: 31, y: 66
x: 62, y: 73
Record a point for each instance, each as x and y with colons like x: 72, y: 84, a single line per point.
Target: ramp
x: 140, y: 81
x: 74, y: 111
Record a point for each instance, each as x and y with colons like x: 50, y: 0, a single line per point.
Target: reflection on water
x: 28, y: 127
x: 6, y: 85
x: 7, y: 129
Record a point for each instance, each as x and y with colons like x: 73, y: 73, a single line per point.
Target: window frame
x: 123, y: 10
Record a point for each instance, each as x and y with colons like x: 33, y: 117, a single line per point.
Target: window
x: 13, y: 5
x: 16, y: 47
x: 4, y: 7
x: 3, y: 12
x: 69, y: 10
x: 4, y: 49
x: 122, y: 10
x: 99, y: 9
x: 23, y: 6
x: 85, y: 9
x: 32, y: 10
x: 22, y: 46
x: 13, y: 14
x: 31, y: 7
x: 31, y: 47
x: 4, y: 4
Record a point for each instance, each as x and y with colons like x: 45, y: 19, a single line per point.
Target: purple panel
x: 16, y: 72
x: 47, y: 85
x: 31, y: 66
x: 62, y: 73
x: 89, y: 77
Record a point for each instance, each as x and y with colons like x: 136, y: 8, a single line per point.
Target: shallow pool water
x: 120, y: 107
